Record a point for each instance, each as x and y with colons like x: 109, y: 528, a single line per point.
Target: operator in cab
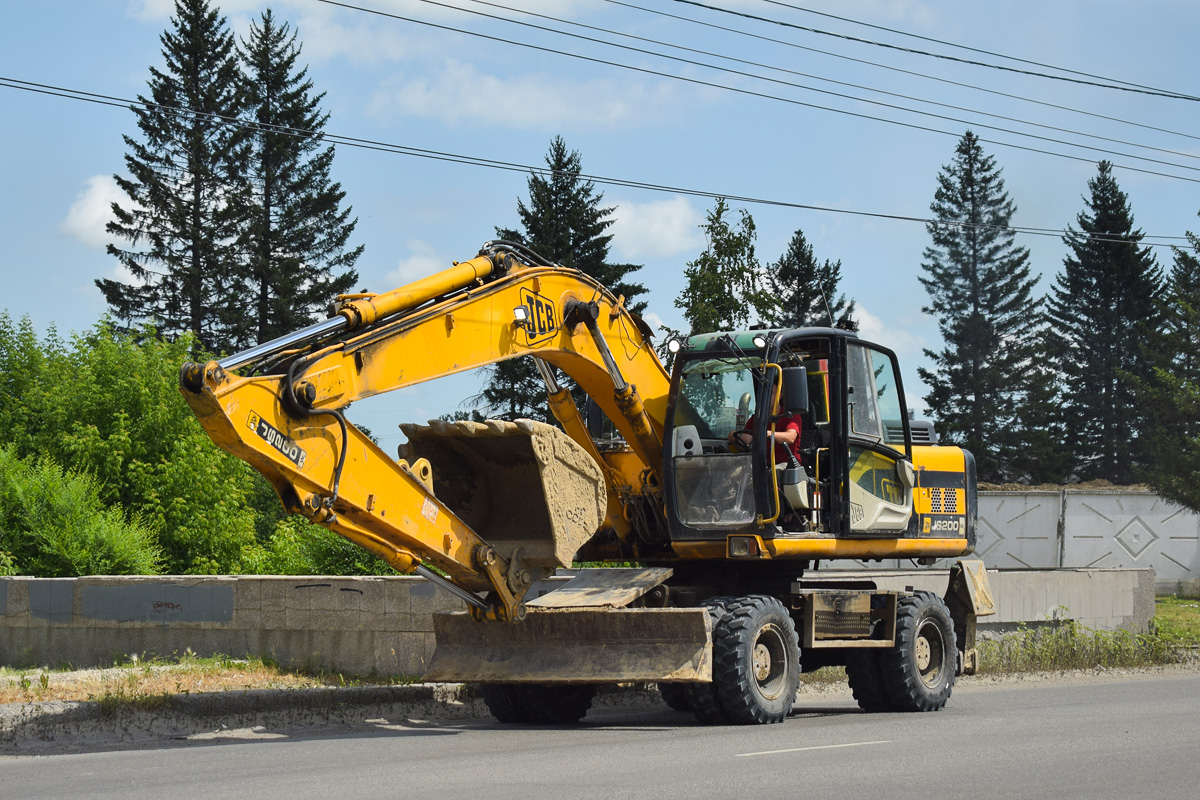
x: 784, y: 433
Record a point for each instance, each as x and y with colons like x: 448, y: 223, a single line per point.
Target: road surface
x: 1126, y: 739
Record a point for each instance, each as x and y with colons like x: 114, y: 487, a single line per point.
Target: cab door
x: 881, y: 476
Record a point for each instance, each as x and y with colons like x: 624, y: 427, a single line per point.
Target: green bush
x: 108, y: 405
x: 53, y: 524
x: 297, y: 547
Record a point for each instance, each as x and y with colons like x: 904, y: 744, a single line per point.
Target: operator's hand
x: 741, y: 441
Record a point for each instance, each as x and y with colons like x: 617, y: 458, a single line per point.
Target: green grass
x: 1179, y: 617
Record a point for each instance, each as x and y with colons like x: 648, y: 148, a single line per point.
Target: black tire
x: 504, y: 701
x: 918, y: 673
x: 675, y: 695
x: 555, y: 705
x: 756, y: 661
x: 865, y: 675
x: 702, y: 697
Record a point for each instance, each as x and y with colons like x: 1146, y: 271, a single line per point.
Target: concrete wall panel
x: 1110, y: 529
x: 1019, y: 529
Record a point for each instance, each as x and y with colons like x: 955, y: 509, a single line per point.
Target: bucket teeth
x: 522, y: 484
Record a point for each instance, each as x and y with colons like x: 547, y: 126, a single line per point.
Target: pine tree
x: 295, y: 229
x: 980, y: 292
x: 805, y: 292
x: 564, y: 223
x: 1171, y: 395
x: 179, y: 225
x: 1104, y: 306
x: 724, y: 284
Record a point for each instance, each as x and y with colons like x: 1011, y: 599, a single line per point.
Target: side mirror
x: 794, y: 398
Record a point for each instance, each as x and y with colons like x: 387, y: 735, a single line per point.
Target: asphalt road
x: 1128, y: 739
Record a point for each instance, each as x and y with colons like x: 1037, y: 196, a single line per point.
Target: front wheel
x: 756, y: 661
x: 918, y: 673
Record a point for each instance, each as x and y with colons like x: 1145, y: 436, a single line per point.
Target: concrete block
x: 396, y: 599
x: 410, y: 654
x: 16, y: 613
x: 422, y: 598
x: 51, y: 600
x: 247, y: 601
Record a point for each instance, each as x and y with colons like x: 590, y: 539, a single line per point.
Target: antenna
x: 825, y: 300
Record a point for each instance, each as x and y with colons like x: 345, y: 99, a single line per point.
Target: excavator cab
x: 851, y: 473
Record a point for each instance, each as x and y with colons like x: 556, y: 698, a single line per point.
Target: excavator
x: 703, y: 543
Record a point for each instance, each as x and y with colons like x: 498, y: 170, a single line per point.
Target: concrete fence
x: 384, y: 625
x: 1085, y: 529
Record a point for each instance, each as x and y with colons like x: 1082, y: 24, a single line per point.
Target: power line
x: 826, y: 80
x: 762, y: 95
x: 509, y: 166
x: 964, y: 47
x: 890, y: 68
x: 1128, y: 88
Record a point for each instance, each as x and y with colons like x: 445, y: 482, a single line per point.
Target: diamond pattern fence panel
x: 1112, y: 529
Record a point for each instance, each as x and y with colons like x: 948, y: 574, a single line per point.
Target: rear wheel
x: 918, y: 673
x: 865, y: 675
x: 537, y: 703
x: 556, y: 705
x: 503, y: 700
x: 756, y: 661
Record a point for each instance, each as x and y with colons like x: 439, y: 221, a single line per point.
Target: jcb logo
x: 543, y: 319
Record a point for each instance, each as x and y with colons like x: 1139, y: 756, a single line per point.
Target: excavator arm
x: 467, y: 514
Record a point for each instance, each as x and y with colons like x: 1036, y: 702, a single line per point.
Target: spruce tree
x: 564, y: 223
x: 805, y: 292
x: 1171, y: 394
x: 295, y: 234
x: 1104, y: 306
x: 179, y: 225
x: 980, y: 292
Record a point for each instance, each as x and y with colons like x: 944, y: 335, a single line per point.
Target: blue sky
x: 404, y: 83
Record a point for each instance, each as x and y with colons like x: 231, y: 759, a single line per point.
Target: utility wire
x: 832, y: 81
x: 1129, y: 88
x: 961, y: 46
x: 509, y: 166
x: 891, y: 68
x: 763, y: 95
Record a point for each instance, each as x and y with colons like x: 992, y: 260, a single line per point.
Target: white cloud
x: 459, y: 92
x: 657, y: 229
x: 422, y: 263
x: 91, y: 211
x: 654, y: 321
x: 907, y: 345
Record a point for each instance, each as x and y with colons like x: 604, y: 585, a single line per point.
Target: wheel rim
x: 930, y: 653
x: 769, y: 661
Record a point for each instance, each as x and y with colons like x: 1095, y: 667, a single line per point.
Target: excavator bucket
x: 580, y: 633
x: 575, y: 646
x: 522, y: 486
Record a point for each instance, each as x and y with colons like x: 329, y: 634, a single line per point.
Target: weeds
x: 1070, y: 646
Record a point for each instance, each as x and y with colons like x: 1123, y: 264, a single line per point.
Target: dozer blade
x: 575, y: 646
x: 521, y: 485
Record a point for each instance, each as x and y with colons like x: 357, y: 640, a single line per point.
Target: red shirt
x: 793, y: 422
